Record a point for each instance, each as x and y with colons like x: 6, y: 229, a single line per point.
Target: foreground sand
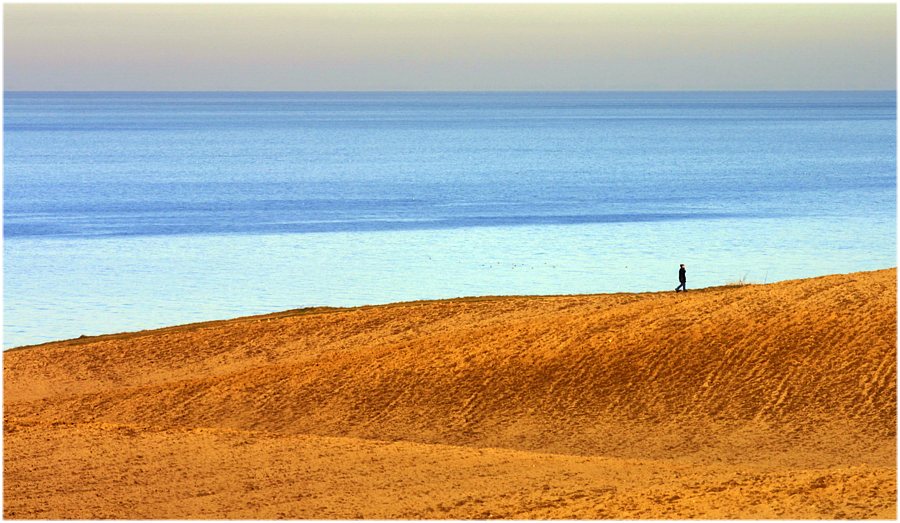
x: 775, y: 401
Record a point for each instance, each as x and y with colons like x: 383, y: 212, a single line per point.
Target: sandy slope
x: 754, y: 402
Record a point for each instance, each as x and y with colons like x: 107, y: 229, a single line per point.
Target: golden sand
x: 760, y: 401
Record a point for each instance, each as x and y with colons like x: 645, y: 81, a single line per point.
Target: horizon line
x: 440, y: 91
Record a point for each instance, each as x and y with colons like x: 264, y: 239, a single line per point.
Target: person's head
x: 682, y: 265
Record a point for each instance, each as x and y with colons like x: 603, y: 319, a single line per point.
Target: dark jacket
x: 681, y: 275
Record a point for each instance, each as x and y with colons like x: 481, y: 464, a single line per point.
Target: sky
x: 448, y: 47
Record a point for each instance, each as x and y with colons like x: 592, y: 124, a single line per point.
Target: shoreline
x: 330, y: 309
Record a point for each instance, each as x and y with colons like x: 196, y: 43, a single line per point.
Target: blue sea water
x: 126, y: 211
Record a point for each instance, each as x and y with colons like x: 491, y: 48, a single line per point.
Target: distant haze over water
x: 447, y: 46
x: 126, y: 211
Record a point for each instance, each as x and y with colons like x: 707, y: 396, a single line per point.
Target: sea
x: 130, y: 211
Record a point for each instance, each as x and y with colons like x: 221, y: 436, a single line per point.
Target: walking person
x: 683, y: 279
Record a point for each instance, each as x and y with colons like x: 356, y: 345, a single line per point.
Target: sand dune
x: 758, y: 401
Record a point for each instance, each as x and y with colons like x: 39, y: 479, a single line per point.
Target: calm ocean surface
x: 130, y: 211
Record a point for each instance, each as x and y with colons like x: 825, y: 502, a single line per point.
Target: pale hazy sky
x: 449, y: 46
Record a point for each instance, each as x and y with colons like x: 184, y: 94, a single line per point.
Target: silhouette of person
x: 683, y: 279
